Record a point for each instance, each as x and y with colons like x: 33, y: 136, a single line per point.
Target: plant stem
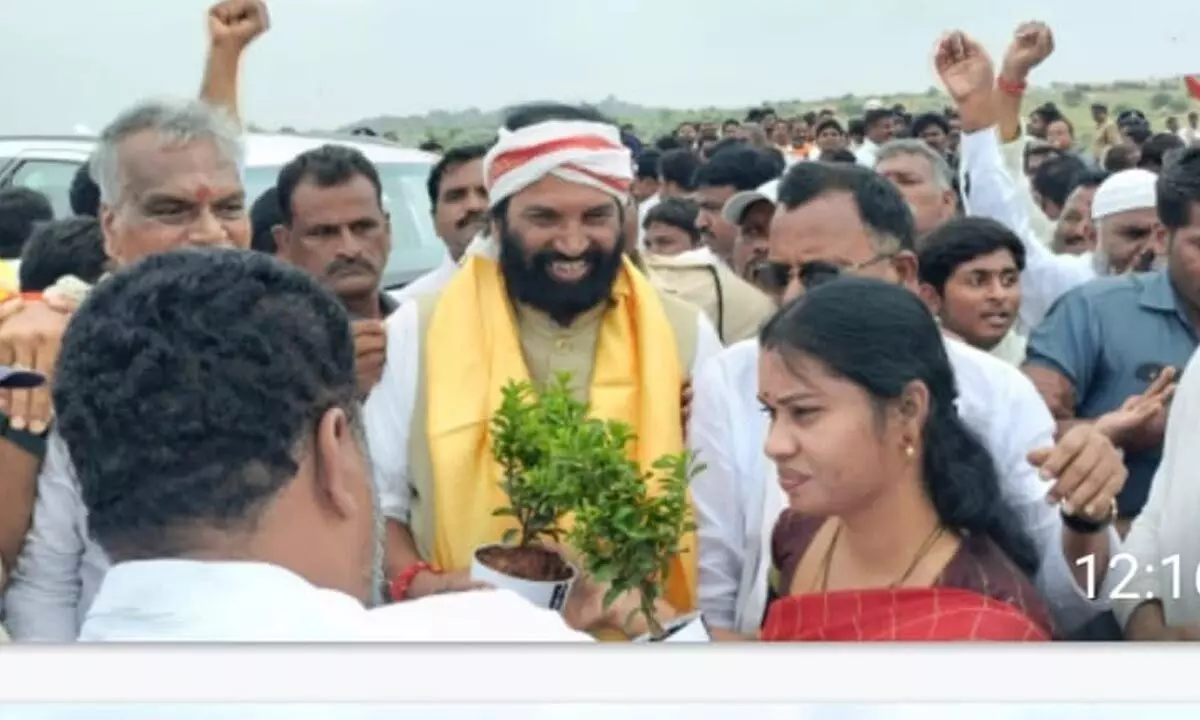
x: 647, y: 607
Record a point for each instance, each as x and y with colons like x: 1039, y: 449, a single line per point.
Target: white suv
x: 49, y: 163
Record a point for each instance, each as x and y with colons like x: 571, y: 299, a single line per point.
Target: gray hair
x: 943, y: 176
x: 176, y: 122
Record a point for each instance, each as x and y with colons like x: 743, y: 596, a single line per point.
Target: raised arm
x: 1032, y: 43
x: 966, y: 71
x: 232, y: 26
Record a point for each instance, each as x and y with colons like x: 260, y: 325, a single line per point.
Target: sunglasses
x: 775, y: 276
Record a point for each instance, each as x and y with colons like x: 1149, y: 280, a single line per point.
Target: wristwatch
x: 31, y: 443
x: 1090, y: 527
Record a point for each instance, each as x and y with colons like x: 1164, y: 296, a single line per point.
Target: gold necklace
x: 922, y: 551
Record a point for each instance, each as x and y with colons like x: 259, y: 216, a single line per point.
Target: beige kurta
x: 736, y: 307
x: 548, y: 349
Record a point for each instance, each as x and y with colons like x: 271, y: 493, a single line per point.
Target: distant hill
x: 1158, y: 98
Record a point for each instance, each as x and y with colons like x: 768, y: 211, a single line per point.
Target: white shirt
x: 60, y: 567
x: 219, y: 601
x: 993, y: 193
x: 430, y: 282
x: 1167, y: 526
x: 1011, y: 349
x: 738, y: 498
x: 389, y: 408
x: 866, y: 153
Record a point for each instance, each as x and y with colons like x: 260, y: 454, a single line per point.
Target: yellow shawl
x: 636, y: 379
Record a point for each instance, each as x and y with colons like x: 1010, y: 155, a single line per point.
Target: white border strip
x: 732, y: 673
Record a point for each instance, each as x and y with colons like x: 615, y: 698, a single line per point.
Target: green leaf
x: 510, y: 536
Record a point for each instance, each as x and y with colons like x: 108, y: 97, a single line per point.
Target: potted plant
x: 626, y: 534
x: 529, y: 433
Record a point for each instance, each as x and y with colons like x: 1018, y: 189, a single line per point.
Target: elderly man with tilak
x: 551, y: 291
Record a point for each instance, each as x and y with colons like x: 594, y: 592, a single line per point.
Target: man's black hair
x: 647, y: 164
x: 187, y: 390
x: 55, y: 249
x: 20, y: 210
x: 265, y: 214
x: 960, y: 241
x: 880, y: 205
x: 454, y: 157
x: 678, y: 213
x: 743, y: 168
x: 523, y: 116
x: 873, y: 117
x: 827, y: 123
x: 84, y: 193
x: 326, y: 166
x: 1120, y: 157
x: 1178, y: 189
x: 841, y: 155
x: 1056, y: 178
x: 679, y: 167
x: 1156, y: 148
x: 925, y: 120
x: 667, y: 143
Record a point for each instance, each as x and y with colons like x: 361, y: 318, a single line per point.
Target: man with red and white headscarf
x: 550, y: 291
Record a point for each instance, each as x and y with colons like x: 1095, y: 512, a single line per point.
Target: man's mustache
x: 343, y: 263
x: 471, y: 218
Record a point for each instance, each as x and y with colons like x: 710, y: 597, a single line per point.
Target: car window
x: 52, y: 179
x: 416, y: 248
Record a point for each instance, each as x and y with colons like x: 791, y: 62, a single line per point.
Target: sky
x: 327, y: 63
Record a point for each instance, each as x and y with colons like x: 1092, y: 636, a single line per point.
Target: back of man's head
x: 70, y: 246
x: 740, y: 167
x: 190, y: 388
x: 1057, y: 177
x: 85, y: 193
x: 678, y: 167
x: 265, y: 214
x: 20, y: 210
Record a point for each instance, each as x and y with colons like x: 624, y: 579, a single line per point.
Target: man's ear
x: 331, y: 447
x: 108, y: 221
x: 930, y: 296
x: 283, y: 240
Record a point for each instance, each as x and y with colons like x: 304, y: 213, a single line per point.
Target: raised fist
x: 236, y: 23
x: 964, y: 67
x: 1032, y: 43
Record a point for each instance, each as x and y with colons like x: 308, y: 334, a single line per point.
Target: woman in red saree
x: 896, y: 527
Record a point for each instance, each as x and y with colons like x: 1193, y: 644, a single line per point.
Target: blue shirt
x: 1110, y: 338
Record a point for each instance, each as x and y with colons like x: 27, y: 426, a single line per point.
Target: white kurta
x: 738, y: 498
x: 1167, y: 527
x: 430, y: 282
x: 217, y: 601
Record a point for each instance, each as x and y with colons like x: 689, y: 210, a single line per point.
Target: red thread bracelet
x: 399, y: 586
x: 1010, y: 87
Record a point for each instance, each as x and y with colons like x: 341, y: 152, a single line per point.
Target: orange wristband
x: 1010, y: 87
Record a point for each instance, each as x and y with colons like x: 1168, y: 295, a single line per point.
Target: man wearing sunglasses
x: 836, y: 220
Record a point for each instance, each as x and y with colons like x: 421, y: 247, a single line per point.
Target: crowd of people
x: 935, y: 368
